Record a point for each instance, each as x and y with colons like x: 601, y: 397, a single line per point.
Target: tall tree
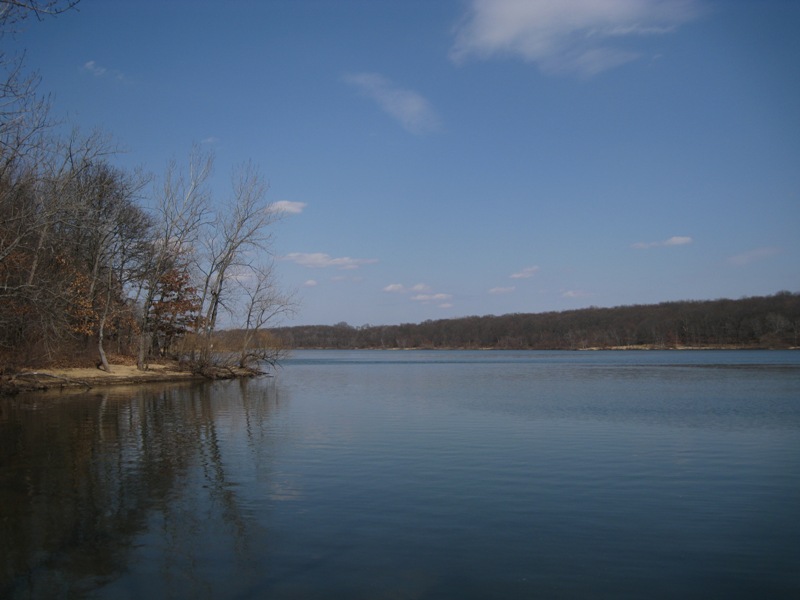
x: 109, y: 234
x: 40, y: 209
x: 180, y: 212
x: 238, y: 231
x: 264, y: 302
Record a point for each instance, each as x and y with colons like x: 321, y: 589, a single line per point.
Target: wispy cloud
x: 574, y: 294
x: 399, y: 288
x: 288, y: 207
x: 748, y: 258
x: 310, y: 283
x: 502, y: 290
x: 583, y: 37
x: 318, y: 260
x: 439, y: 299
x: 421, y: 293
x: 525, y: 273
x: 675, y: 240
x: 98, y: 70
x: 410, y: 108
x: 95, y: 69
x: 432, y: 297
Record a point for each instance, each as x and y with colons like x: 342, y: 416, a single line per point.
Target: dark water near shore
x: 414, y: 475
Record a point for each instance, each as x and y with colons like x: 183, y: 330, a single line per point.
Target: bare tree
x: 29, y: 158
x: 23, y: 113
x: 14, y: 11
x: 72, y: 158
x: 239, y: 231
x: 181, y: 211
x: 109, y: 233
x: 264, y: 303
x: 39, y: 212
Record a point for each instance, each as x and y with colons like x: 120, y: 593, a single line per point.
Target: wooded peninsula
x: 755, y: 322
x: 103, y: 265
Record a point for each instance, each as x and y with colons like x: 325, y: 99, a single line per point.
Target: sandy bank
x: 48, y: 379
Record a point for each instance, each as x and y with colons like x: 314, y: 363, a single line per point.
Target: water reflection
x: 380, y: 478
x: 140, y: 478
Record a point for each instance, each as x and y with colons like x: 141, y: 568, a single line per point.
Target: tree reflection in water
x: 95, y: 486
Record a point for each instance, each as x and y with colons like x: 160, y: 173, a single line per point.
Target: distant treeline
x: 758, y: 322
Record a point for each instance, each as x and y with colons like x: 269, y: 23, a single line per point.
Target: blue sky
x: 447, y: 158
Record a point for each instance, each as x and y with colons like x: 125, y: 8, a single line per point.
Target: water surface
x: 414, y: 474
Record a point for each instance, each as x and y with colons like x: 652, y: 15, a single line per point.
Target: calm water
x: 414, y: 475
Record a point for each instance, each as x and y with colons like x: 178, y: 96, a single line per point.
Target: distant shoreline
x: 643, y: 348
x: 32, y: 380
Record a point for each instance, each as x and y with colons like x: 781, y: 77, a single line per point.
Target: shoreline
x: 635, y: 348
x: 40, y: 380
x: 47, y: 379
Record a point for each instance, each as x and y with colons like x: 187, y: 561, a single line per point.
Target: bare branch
x: 15, y: 11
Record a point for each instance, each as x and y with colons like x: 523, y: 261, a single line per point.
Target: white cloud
x: 210, y: 140
x: 431, y: 297
x: 241, y: 274
x: 410, y: 108
x: 101, y: 71
x: 678, y: 240
x: 675, y: 240
x: 399, y: 288
x: 318, y: 260
x: 566, y: 36
x: 288, y: 207
x: 748, y: 258
x: 502, y: 290
x: 95, y: 69
x: 395, y: 288
x: 574, y: 294
x: 310, y: 283
x: 442, y: 300
x: 525, y: 273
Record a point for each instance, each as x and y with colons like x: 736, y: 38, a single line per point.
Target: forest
x: 757, y: 322
x: 98, y: 260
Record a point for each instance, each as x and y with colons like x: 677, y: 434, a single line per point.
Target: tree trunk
x: 101, y: 330
x: 144, y: 344
x: 103, y: 360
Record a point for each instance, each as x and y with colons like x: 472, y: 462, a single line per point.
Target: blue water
x: 415, y: 474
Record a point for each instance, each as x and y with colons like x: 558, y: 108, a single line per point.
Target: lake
x: 414, y: 474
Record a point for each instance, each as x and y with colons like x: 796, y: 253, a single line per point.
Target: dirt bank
x: 45, y: 379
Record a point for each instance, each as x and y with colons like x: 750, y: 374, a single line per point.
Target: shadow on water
x: 88, y: 480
